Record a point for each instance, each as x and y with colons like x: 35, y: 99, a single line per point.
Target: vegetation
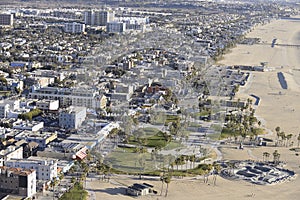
x: 29, y: 115
x: 76, y: 193
x: 242, y: 123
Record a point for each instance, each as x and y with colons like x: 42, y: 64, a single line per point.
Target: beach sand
x: 276, y: 110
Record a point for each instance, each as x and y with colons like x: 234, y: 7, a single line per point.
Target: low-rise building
x: 72, y: 117
x: 86, y: 97
x: 10, y: 153
x: 42, y: 138
x: 46, y: 168
x: 48, y: 105
x: 33, y: 126
x: 18, y: 181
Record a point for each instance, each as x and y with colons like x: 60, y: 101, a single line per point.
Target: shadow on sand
x: 112, y: 191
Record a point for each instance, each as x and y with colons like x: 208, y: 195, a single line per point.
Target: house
x: 139, y: 189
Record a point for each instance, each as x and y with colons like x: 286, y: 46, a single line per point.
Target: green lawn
x: 76, y: 193
x: 124, y: 159
x: 155, y: 138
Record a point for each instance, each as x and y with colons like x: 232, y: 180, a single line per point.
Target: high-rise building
x: 6, y: 19
x: 98, y: 17
x: 74, y: 27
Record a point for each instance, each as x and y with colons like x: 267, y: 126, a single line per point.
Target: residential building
x: 42, y: 138
x: 48, y: 105
x: 116, y: 27
x: 9, y: 153
x: 33, y: 126
x: 6, y: 19
x: 85, y: 97
x: 72, y: 117
x: 98, y: 17
x: 17, y: 181
x: 74, y: 27
x: 46, y: 168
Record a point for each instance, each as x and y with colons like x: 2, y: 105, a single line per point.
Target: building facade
x: 47, y: 105
x: 74, y: 27
x: 85, y: 97
x: 116, y: 27
x: 98, y: 17
x: 18, y: 181
x: 72, y: 117
x: 12, y: 152
x: 46, y: 168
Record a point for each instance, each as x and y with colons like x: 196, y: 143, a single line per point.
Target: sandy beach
x: 278, y: 107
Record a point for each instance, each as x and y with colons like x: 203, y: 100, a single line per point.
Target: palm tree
x: 298, y: 138
x: 288, y: 137
x: 162, y: 183
x: 216, y: 171
x: 167, y: 180
x: 266, y: 156
x: 277, y: 129
x: 276, y: 157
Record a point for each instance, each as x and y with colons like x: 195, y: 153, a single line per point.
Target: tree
x: 288, y: 138
x: 266, y: 156
x: 276, y: 157
x: 277, y: 129
x: 298, y: 138
x: 216, y: 171
x: 167, y: 180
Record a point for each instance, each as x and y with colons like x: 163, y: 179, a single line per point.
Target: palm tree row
x: 284, y: 139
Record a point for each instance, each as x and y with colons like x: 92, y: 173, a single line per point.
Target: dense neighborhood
x: 72, y: 96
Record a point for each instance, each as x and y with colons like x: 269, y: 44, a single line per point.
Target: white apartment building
x: 72, y: 117
x: 46, y: 168
x: 74, y: 27
x: 17, y: 181
x: 98, y: 17
x: 85, y: 97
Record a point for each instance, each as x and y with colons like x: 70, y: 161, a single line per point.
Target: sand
x: 276, y: 110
